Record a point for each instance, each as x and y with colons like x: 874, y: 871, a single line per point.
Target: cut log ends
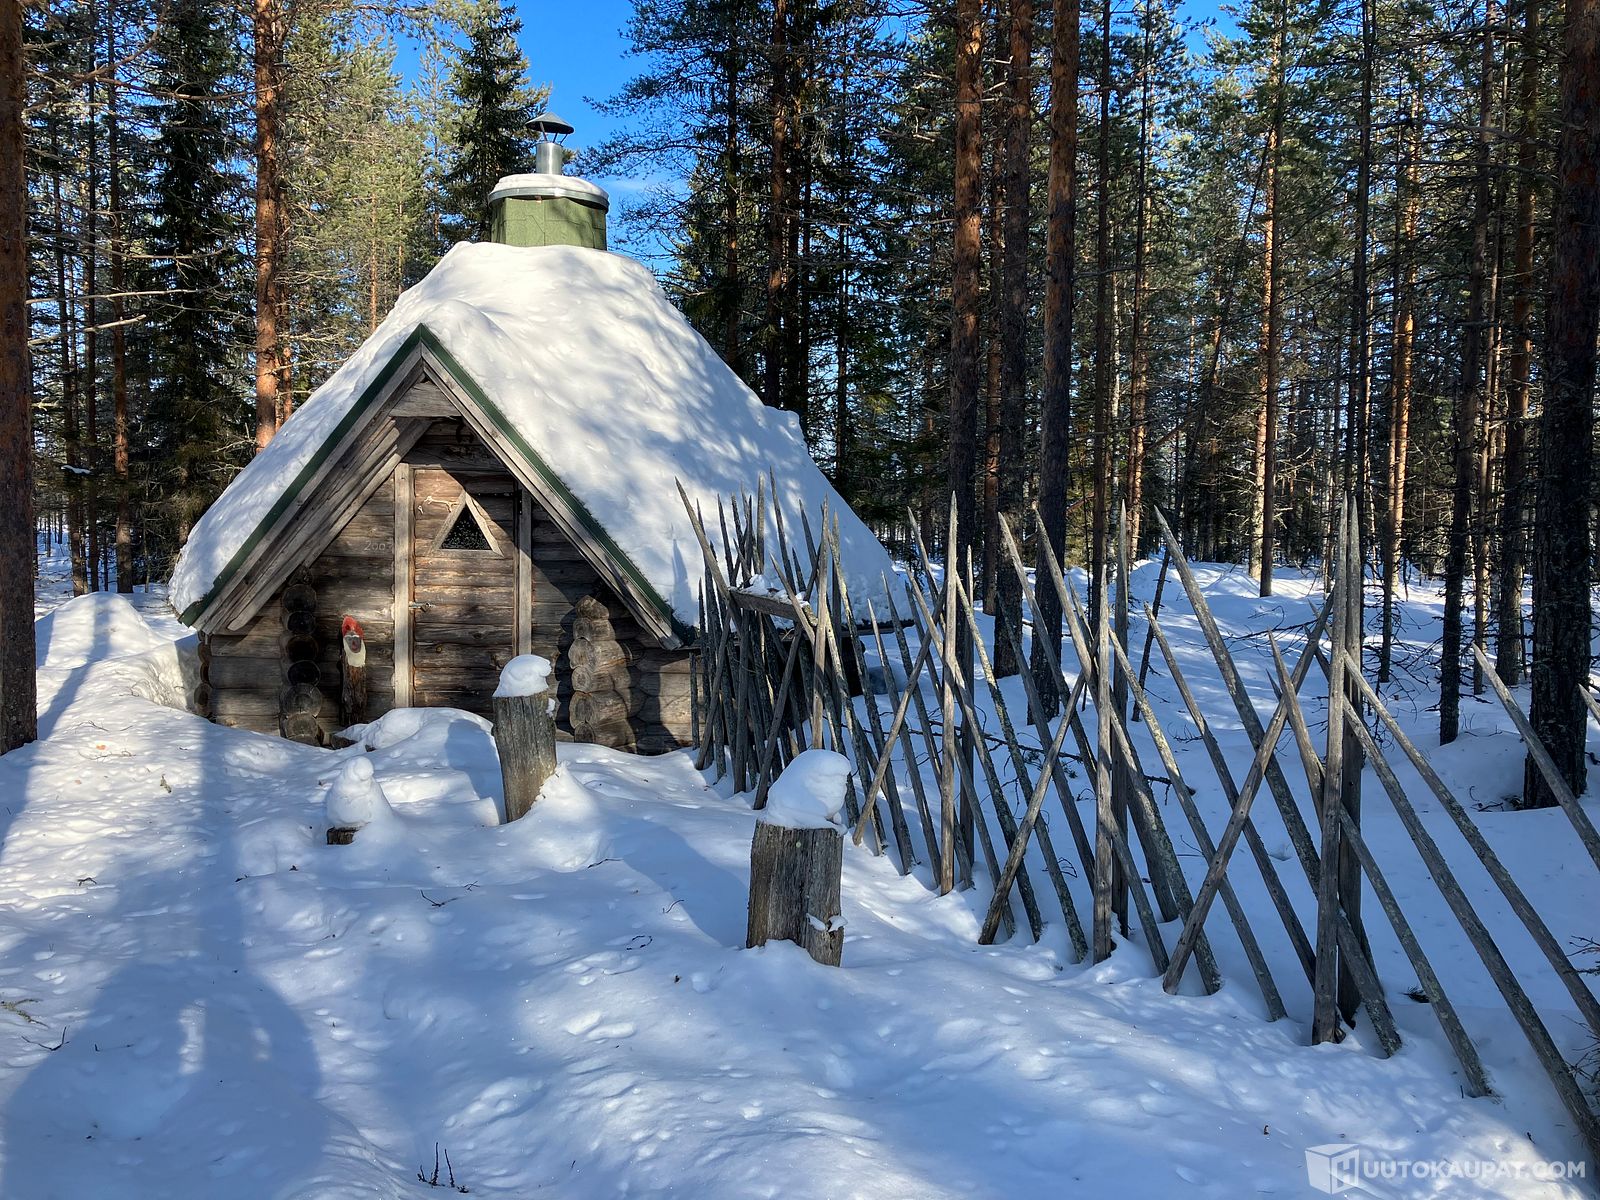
x: 794, y: 889
x: 594, y: 710
x: 300, y: 698
x: 525, y: 736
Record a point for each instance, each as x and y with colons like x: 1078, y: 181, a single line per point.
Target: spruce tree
x: 198, y: 421
x: 494, y: 103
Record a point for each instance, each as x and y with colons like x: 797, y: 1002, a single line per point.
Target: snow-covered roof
x: 589, y: 364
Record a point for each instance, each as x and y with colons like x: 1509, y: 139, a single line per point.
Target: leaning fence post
x: 797, y: 856
x: 1325, y: 1010
x: 525, y: 731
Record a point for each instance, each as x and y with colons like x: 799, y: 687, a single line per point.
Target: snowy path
x: 563, y: 1004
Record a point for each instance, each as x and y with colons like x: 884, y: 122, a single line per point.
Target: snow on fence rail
x: 785, y: 667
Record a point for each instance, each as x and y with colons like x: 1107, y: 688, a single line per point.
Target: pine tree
x: 494, y: 102
x: 355, y: 189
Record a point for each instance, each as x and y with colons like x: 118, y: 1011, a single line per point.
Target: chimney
x: 548, y: 207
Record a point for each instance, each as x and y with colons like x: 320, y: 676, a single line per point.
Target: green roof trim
x: 427, y: 340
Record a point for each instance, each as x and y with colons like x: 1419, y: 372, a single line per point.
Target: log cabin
x: 494, y: 472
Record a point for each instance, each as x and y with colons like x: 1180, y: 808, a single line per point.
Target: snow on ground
x: 200, y: 998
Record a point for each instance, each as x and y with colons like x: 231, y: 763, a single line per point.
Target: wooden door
x: 463, y: 584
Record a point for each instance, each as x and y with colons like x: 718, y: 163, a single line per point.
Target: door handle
x: 420, y: 606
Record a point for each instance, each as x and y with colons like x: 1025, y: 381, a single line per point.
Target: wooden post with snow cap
x: 796, y: 857
x: 525, y: 730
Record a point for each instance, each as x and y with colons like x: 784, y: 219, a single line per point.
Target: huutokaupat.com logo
x: 1343, y: 1167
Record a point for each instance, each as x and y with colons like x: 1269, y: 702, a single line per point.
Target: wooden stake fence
x: 960, y: 793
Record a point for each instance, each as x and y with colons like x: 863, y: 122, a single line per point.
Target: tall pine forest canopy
x: 1089, y: 260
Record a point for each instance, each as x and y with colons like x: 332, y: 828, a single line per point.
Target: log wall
x: 354, y: 575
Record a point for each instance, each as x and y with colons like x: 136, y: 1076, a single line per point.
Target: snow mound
x: 809, y: 793
x: 96, y: 626
x: 100, y: 643
x: 355, y: 797
x: 402, y: 724
x: 590, y: 365
x: 524, y: 675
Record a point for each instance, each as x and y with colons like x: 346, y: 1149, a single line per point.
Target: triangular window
x: 466, y: 533
x: 466, y: 529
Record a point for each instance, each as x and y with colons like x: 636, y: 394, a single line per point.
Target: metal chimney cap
x: 550, y: 125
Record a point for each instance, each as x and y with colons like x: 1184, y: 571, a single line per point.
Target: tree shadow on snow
x: 190, y: 1075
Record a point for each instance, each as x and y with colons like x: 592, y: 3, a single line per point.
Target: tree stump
x: 525, y: 736
x: 794, y: 889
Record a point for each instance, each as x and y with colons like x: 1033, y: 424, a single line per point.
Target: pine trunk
x: 270, y: 32
x: 775, y: 387
x: 1139, y: 356
x: 1468, y: 400
x: 1267, y: 406
x: 1014, y: 316
x: 1104, y: 332
x: 18, y: 692
x: 1404, y: 335
x: 1561, y: 570
x: 1056, y: 408
x: 119, y: 341
x: 965, y: 303
x: 1514, y: 482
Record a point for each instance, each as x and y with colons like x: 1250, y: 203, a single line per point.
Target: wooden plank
x: 524, y: 551
x: 401, y: 610
x: 486, y: 634
x: 230, y: 674
x: 424, y: 398
x: 461, y: 606
x: 427, y: 656
x: 296, y: 545
x: 375, y: 518
x: 361, y: 555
